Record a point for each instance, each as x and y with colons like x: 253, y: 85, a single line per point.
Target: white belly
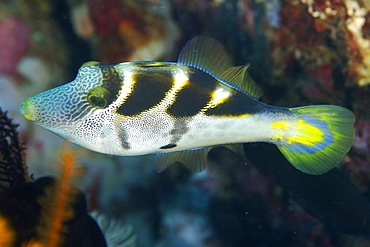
x: 158, y: 130
x: 210, y: 131
x: 154, y: 130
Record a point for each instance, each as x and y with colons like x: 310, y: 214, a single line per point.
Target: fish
x: 181, y: 110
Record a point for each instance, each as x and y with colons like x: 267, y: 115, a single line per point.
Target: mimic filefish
x: 179, y: 111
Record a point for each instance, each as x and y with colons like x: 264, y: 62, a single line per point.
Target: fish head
x: 77, y: 111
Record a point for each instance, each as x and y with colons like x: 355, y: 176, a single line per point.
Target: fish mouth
x: 28, y: 110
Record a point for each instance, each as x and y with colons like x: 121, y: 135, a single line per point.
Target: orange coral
x: 7, y: 233
x: 57, y: 207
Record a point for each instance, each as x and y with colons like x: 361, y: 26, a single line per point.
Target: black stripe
x: 124, y: 139
x: 234, y: 106
x: 148, y: 90
x: 194, y: 96
x: 111, y: 80
x: 180, y: 128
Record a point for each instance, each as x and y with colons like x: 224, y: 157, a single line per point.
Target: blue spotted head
x: 72, y: 110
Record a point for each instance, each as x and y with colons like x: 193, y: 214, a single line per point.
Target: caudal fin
x: 323, y: 136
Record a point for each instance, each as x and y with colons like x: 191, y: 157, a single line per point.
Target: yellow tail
x: 324, y: 135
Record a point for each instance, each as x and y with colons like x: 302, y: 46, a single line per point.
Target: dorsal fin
x: 195, y: 160
x: 206, y: 54
x: 240, y: 77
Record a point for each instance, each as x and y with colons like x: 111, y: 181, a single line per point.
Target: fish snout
x: 28, y: 110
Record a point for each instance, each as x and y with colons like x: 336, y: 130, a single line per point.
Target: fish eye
x: 98, y: 97
x: 90, y: 63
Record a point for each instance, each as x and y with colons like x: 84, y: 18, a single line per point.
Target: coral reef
x: 300, y: 51
x: 122, y: 30
x: 14, y: 42
x: 322, y: 36
x: 27, y: 32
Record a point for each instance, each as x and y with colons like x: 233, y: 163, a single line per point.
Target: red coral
x: 123, y: 27
x: 319, y: 84
x: 311, y: 37
x: 14, y: 42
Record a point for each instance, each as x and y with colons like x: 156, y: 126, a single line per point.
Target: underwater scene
x: 185, y: 123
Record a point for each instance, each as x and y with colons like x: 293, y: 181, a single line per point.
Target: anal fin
x: 236, y: 148
x: 195, y: 160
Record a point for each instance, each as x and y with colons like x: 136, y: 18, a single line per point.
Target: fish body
x: 181, y: 110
